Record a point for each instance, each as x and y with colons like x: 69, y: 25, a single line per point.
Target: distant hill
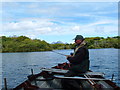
x: 58, y: 42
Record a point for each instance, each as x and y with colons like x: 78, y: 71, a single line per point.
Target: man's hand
x: 68, y: 56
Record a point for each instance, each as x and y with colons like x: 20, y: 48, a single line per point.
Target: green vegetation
x: 100, y: 42
x: 25, y: 44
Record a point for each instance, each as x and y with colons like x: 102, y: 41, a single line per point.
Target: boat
x: 50, y: 79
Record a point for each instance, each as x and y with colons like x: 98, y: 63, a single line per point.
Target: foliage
x: 109, y: 42
x: 25, y: 44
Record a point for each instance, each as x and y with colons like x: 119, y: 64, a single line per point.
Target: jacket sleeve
x: 78, y: 58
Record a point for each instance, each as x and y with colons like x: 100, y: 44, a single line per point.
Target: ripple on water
x: 16, y: 67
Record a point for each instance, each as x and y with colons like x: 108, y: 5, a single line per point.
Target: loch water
x: 17, y: 66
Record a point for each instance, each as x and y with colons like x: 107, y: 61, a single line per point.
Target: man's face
x: 78, y: 41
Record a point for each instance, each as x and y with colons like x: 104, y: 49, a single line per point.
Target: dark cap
x: 78, y: 37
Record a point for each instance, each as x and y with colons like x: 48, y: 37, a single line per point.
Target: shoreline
x: 55, y: 49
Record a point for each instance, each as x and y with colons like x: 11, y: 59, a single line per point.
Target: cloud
x: 76, y: 28
x: 27, y: 25
x: 32, y: 27
x: 104, y: 22
x: 44, y: 9
x: 99, y: 28
x: 35, y: 27
x: 34, y: 19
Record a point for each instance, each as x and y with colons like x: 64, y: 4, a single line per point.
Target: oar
x: 59, y: 53
x: 77, y: 78
x: 93, y: 83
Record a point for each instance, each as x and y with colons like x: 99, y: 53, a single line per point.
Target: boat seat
x: 60, y: 71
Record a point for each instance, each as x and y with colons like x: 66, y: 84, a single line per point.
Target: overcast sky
x: 59, y: 21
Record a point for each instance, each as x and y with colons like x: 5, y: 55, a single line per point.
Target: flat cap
x: 79, y: 37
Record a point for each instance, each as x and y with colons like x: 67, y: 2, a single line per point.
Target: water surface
x: 17, y: 66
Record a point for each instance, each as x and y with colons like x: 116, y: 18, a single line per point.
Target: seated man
x: 79, y: 62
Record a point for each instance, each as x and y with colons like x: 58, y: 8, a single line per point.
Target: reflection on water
x: 16, y: 66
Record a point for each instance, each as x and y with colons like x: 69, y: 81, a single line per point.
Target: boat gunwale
x: 34, y: 77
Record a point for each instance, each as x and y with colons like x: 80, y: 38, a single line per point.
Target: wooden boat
x: 50, y: 79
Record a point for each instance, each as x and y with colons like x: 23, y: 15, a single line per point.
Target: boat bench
x: 60, y: 71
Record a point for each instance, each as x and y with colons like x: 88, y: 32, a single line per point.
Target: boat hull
x: 46, y: 80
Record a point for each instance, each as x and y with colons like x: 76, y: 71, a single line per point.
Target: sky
x: 59, y: 21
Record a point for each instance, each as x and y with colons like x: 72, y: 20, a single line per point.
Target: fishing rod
x: 59, y: 53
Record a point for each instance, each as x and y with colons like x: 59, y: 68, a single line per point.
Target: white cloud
x: 103, y: 22
x: 76, y: 28
x: 26, y: 25
x: 98, y: 28
x: 59, y: 19
x: 13, y: 11
x: 34, y: 27
x: 31, y: 27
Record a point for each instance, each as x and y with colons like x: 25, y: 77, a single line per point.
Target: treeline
x: 25, y: 44
x: 100, y: 42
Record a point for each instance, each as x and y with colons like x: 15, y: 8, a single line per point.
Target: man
x: 80, y: 59
x: 79, y: 63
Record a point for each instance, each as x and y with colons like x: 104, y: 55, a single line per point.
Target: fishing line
x: 59, y: 53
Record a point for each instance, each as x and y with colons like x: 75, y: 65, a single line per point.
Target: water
x: 17, y: 66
